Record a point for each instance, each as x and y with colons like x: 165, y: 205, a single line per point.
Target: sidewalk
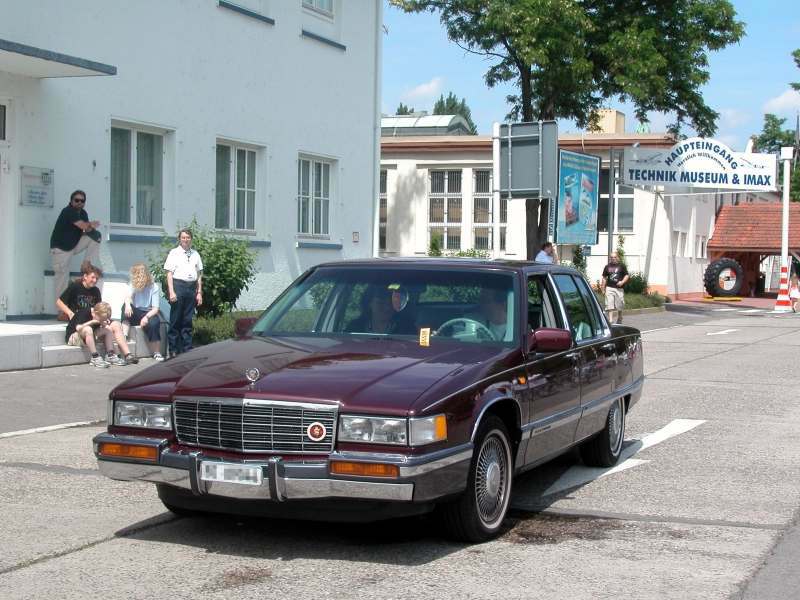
x: 763, y: 303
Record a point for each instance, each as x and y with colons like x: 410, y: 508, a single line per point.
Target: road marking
x: 723, y: 332
x: 579, y: 475
x: 11, y: 434
x: 752, y: 311
x: 724, y: 309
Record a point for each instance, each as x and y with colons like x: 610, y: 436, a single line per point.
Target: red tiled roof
x: 755, y: 228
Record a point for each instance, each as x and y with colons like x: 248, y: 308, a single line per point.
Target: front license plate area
x: 231, y: 473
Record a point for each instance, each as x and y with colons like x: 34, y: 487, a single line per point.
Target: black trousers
x: 181, y: 314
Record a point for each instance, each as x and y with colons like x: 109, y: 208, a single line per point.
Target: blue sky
x: 747, y: 79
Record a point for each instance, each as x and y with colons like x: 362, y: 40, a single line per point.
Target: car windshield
x: 425, y: 304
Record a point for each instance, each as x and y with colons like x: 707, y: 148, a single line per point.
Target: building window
x: 2, y: 121
x: 236, y: 179
x: 323, y: 6
x: 444, y: 209
x: 624, y: 213
x: 482, y: 209
x: 382, y: 212
x: 313, y: 196
x: 137, y: 166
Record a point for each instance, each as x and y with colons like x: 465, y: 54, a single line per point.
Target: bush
x: 208, y: 330
x: 435, y: 246
x: 578, y: 259
x: 637, y: 284
x: 470, y: 253
x: 633, y: 301
x: 229, y: 267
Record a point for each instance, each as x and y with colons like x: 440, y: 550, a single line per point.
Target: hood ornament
x: 252, y: 375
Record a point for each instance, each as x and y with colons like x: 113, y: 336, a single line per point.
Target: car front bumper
x: 421, y: 479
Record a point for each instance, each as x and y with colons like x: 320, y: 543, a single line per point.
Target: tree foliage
x: 796, y: 56
x: 452, y: 106
x: 403, y: 109
x: 229, y: 267
x: 771, y: 139
x: 567, y: 58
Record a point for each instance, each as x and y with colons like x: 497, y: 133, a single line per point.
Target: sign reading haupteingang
x: 700, y: 163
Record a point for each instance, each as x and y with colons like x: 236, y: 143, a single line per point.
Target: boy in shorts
x: 86, y: 325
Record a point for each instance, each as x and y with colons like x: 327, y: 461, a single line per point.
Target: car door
x: 596, y: 350
x: 553, y: 394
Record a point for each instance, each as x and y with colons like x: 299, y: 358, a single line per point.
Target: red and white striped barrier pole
x: 784, y: 303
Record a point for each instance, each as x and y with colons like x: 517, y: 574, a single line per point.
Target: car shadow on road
x: 405, y: 542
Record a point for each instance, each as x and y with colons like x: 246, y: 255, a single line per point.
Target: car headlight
x: 427, y: 430
x: 373, y: 430
x: 143, y: 414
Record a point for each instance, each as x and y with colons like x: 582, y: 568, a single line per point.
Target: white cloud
x: 732, y: 118
x: 787, y: 102
x: 731, y: 141
x: 424, y: 91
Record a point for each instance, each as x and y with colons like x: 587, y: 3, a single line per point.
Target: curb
x: 644, y: 311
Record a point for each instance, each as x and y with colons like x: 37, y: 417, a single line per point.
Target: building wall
x: 197, y: 72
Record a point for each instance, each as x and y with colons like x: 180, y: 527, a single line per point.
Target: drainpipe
x: 376, y: 130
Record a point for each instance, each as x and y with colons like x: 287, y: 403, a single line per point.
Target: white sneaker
x: 113, y: 359
x: 157, y: 357
x: 99, y: 362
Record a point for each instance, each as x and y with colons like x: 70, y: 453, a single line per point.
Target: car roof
x: 455, y: 262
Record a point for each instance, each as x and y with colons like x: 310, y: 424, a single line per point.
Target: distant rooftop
x: 423, y: 124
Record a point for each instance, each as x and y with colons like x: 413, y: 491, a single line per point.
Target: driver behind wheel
x: 493, y: 313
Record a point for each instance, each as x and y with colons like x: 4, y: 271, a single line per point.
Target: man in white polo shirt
x: 184, y: 269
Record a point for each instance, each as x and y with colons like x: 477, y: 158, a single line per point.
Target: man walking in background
x: 72, y: 234
x: 614, y: 278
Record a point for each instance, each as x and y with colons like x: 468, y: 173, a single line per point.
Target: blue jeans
x: 180, y: 316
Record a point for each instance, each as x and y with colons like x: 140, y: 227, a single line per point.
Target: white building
x: 441, y: 185
x: 259, y: 118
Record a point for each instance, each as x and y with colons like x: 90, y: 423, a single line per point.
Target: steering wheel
x: 479, y: 327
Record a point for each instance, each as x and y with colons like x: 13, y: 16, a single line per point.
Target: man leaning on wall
x: 73, y: 233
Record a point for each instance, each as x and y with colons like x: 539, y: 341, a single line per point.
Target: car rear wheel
x: 604, y: 449
x: 478, y: 514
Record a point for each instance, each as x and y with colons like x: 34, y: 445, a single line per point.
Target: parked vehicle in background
x: 381, y: 388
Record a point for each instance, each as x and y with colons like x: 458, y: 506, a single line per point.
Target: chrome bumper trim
x: 283, y: 480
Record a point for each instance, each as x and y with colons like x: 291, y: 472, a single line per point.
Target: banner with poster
x: 578, y: 191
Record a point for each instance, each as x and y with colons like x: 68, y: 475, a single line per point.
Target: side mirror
x: 546, y: 339
x: 243, y: 325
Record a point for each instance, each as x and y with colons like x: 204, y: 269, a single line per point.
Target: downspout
x: 376, y: 128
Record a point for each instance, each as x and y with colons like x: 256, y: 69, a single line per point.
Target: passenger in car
x: 384, y: 310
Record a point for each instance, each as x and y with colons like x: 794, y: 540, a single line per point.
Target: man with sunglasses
x: 73, y: 233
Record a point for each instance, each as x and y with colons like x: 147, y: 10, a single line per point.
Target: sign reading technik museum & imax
x: 700, y: 163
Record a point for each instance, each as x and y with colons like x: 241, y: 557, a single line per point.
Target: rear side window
x: 582, y: 321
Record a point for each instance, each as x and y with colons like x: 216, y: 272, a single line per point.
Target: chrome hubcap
x: 616, y: 426
x: 491, y: 480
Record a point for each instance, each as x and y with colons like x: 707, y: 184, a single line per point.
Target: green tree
x: 402, y: 109
x: 796, y: 56
x: 452, y: 106
x: 771, y: 139
x: 567, y: 58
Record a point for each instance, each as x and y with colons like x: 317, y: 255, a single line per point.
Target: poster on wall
x: 578, y: 189
x: 36, y: 187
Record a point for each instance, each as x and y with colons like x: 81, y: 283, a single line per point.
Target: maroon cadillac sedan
x: 379, y: 388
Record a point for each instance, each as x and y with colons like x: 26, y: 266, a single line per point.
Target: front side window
x: 582, y: 321
x: 449, y: 306
x: 137, y: 165
x: 235, y: 180
x: 542, y: 307
x: 444, y: 209
x: 313, y: 196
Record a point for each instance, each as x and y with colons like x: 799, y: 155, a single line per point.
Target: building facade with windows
x: 440, y: 187
x: 258, y: 118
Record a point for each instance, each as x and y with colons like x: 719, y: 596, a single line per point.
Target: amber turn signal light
x: 128, y: 451
x: 364, y: 469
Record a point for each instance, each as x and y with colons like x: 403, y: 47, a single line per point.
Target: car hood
x: 370, y: 375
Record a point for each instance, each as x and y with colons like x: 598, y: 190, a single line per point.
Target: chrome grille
x: 253, y: 425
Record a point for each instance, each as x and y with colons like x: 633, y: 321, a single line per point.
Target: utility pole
x: 612, y: 184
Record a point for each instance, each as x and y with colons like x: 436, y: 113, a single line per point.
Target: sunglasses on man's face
x: 79, y: 200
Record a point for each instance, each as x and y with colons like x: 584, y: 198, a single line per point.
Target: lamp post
x: 611, y: 201
x: 784, y: 303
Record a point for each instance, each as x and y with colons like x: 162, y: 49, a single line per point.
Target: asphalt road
x: 705, y: 506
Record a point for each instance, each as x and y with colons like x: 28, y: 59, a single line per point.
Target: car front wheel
x: 604, y: 449
x: 478, y: 514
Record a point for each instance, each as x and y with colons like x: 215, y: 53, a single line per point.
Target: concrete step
x: 61, y: 355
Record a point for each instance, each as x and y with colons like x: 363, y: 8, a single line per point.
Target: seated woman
x: 382, y: 311
x: 141, y: 308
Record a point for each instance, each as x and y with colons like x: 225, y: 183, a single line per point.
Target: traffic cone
x: 783, y: 303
